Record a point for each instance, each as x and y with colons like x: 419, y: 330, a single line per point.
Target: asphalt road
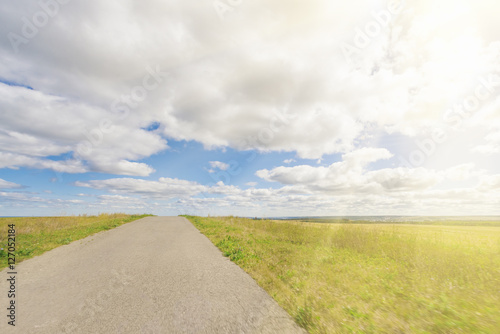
x: 154, y: 275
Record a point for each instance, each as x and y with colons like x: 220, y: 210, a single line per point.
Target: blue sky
x: 264, y: 109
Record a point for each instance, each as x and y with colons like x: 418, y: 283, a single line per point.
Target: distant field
x: 36, y: 235
x: 370, y: 278
x: 445, y: 222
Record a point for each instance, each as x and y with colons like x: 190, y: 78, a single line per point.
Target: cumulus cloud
x: 65, y: 126
x: 350, y: 176
x: 344, y: 188
x: 339, y: 176
x: 492, y: 145
x: 490, y: 182
x: 264, y: 76
x: 462, y: 172
x: 163, y: 188
x: 9, y: 185
x: 14, y: 161
x: 270, y: 76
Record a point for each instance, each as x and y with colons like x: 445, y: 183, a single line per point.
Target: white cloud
x: 69, y: 127
x: 21, y: 198
x: 132, y: 195
x: 462, y: 172
x: 492, y: 145
x: 163, y: 188
x: 123, y: 167
x: 9, y: 185
x: 344, y: 188
x: 403, y: 179
x: 490, y: 182
x: 336, y: 177
x: 23, y: 143
x: 218, y: 165
x: 272, y: 77
x: 487, y: 149
x: 281, y: 85
x: 350, y: 176
x: 17, y: 197
x: 14, y: 161
x: 366, y: 155
x: 117, y: 198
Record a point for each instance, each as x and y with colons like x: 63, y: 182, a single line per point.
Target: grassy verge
x: 337, y: 278
x: 36, y: 235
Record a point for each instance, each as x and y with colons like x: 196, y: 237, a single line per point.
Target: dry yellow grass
x: 370, y: 278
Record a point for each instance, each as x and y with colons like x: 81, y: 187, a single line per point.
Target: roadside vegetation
x: 36, y: 235
x: 370, y: 278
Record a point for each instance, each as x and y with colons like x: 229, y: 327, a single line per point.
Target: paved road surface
x: 154, y: 275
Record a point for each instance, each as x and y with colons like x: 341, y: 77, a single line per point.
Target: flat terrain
x: 154, y: 275
x: 370, y: 278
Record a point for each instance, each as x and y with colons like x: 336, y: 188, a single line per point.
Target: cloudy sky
x: 250, y: 107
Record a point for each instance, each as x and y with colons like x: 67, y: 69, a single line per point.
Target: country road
x: 154, y: 275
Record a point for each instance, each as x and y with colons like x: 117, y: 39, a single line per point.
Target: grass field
x: 36, y: 235
x: 428, y: 221
x: 372, y: 278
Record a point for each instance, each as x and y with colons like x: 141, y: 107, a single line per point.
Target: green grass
x: 36, y: 235
x: 372, y: 278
